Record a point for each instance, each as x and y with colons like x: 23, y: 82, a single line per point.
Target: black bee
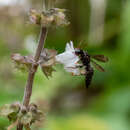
x: 86, y: 59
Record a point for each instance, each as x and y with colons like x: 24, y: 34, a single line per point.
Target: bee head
x: 78, y: 51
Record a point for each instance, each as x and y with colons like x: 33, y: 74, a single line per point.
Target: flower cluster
x: 16, y: 112
x: 70, y: 60
x: 46, y: 61
x: 49, y: 58
x: 22, y: 63
x: 52, y: 17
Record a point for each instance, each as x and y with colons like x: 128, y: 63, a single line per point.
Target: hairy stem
x: 31, y: 75
x: 28, y: 89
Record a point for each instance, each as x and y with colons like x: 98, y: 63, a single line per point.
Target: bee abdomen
x: 88, y: 77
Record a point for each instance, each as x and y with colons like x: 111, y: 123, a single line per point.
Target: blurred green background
x: 103, y: 27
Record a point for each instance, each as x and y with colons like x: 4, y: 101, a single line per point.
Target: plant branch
x: 28, y: 89
x: 31, y: 75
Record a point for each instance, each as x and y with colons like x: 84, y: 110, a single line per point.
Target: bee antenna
x: 81, y: 45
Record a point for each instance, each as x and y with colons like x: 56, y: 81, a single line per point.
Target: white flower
x: 74, y: 71
x: 69, y: 59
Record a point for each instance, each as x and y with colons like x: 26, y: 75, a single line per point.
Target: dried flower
x: 60, y: 17
x: 34, y: 17
x: 49, y: 18
x: 47, y: 60
x: 22, y: 63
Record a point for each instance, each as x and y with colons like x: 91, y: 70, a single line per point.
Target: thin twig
x: 31, y: 75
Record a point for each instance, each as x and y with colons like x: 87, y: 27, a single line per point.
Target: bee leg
x: 79, y: 65
x: 75, y: 74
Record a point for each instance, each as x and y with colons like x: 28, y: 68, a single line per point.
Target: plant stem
x: 28, y: 89
x: 31, y: 75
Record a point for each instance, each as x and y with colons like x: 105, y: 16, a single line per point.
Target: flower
x: 34, y: 17
x: 48, y: 18
x: 69, y: 59
x: 74, y: 71
x: 60, y: 17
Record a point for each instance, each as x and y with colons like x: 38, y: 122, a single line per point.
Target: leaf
x: 47, y: 71
x: 12, y: 116
x: 48, y: 63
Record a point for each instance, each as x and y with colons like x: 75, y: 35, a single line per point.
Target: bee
x: 86, y: 60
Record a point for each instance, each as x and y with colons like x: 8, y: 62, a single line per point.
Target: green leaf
x: 13, y: 116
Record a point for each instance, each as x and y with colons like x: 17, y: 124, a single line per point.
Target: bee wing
x: 101, y: 58
x: 98, y: 67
